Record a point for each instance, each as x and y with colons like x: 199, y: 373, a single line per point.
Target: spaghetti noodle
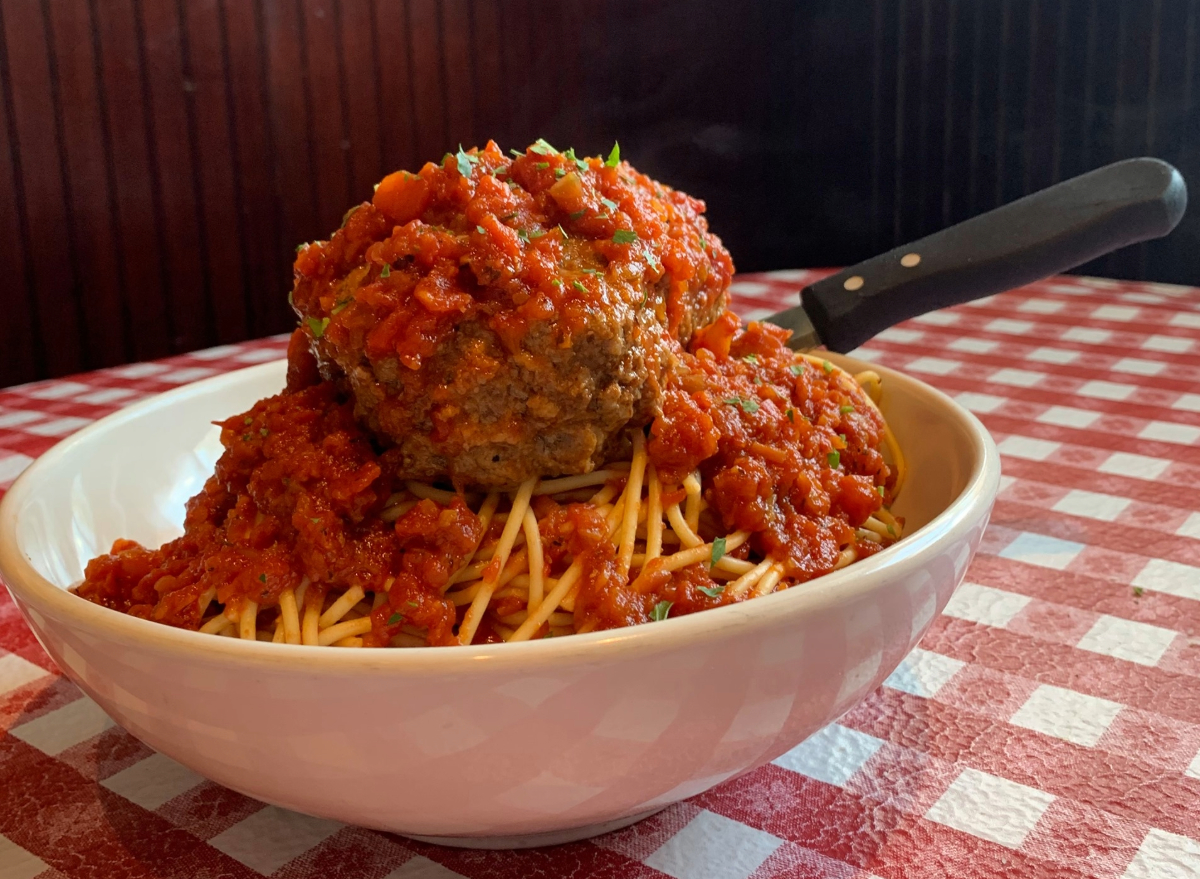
x: 765, y: 469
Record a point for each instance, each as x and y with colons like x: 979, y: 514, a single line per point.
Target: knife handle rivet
x: 910, y: 259
x: 854, y: 282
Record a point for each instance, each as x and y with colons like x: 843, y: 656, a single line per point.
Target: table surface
x: 1047, y: 726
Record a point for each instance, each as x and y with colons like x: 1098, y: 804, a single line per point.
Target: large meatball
x: 497, y: 319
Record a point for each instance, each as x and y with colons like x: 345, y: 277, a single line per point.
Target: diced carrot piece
x: 402, y: 196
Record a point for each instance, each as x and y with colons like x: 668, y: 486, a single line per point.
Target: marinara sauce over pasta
x: 788, y: 450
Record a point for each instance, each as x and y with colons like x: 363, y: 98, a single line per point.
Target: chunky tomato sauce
x: 512, y: 240
x: 786, y: 450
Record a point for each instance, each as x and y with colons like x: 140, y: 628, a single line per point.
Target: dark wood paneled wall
x: 162, y: 158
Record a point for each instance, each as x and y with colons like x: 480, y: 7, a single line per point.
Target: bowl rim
x: 845, y: 586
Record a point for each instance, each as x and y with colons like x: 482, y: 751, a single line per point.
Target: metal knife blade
x: 804, y: 334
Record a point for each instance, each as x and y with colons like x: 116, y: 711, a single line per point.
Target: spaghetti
x: 764, y: 470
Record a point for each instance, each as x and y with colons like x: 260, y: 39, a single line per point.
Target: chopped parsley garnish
x: 342, y: 303
x: 578, y: 286
x: 412, y: 603
x: 1138, y: 591
x: 560, y: 172
x: 827, y: 366
x: 262, y: 578
x: 891, y: 531
x: 262, y: 431
x: 300, y: 247
x: 522, y: 234
x: 542, y: 166
x: 660, y: 611
x: 542, y: 148
x: 318, y: 326
x: 575, y: 215
x: 718, y: 551
x: 535, y: 234
x: 465, y: 161
x: 797, y: 368
x: 591, y: 271
x: 481, y: 230
x: 516, y: 153
x: 835, y: 458
x: 386, y: 271
x: 748, y: 406
x: 624, y: 236
x: 614, y: 156
x: 557, y: 282
x: 394, y: 618
x: 751, y: 358
x: 579, y: 163
x: 847, y: 409
x: 654, y: 263
x: 713, y: 591
x: 791, y: 415
x: 247, y: 420
x: 879, y: 488
x: 609, y: 203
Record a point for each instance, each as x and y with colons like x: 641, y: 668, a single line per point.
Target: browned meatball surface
x: 501, y: 318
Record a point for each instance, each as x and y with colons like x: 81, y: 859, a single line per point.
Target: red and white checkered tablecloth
x: 1047, y: 726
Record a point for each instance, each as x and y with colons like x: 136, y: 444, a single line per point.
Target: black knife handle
x: 1029, y: 239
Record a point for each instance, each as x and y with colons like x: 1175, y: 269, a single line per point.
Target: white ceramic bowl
x: 502, y: 745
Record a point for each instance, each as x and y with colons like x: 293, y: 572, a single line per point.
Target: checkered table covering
x: 1047, y: 726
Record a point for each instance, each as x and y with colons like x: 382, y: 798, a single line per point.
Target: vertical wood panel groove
x: 280, y: 253
x: 111, y: 174
x: 923, y: 110
x: 877, y: 104
x: 155, y: 177
x: 1060, y: 72
x: 998, y: 167
x: 976, y: 91
x: 1031, y: 119
x: 477, y: 137
x: 897, y: 175
x: 377, y: 71
x: 194, y: 153
x: 18, y: 189
x: 443, y: 70
x: 253, y: 321
x: 87, y: 357
x: 349, y: 145
x: 948, y: 119
x: 1089, y: 85
x: 306, y: 94
x: 1152, y: 88
x: 412, y: 80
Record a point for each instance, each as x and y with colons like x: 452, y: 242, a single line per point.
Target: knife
x: 1032, y: 238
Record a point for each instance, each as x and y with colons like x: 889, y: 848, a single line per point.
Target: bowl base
x: 536, y: 840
